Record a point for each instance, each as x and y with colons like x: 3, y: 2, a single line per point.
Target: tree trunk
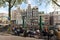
x: 9, y: 16
x: 9, y: 10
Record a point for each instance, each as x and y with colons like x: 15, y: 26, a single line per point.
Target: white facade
x: 29, y: 11
x: 19, y: 19
x: 35, y: 11
x: 13, y: 15
x: 16, y: 15
x: 29, y: 14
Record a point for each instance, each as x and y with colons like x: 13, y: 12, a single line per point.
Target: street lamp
x: 23, y: 17
x: 40, y: 24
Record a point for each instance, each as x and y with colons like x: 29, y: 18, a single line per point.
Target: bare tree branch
x: 56, y: 3
x: 3, y: 1
x: 13, y: 4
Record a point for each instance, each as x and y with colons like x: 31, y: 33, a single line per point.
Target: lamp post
x: 40, y: 24
x: 23, y: 18
x: 23, y: 25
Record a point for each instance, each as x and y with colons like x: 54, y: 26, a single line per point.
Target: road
x: 5, y: 36
x: 10, y: 37
x: 16, y: 38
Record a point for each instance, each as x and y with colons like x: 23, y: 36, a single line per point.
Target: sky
x: 41, y: 7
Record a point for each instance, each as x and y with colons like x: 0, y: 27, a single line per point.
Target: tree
x: 47, y: 2
x: 55, y: 1
x: 11, y: 3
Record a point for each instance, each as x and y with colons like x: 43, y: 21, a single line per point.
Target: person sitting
x: 51, y: 33
x: 38, y: 33
x: 21, y: 30
x: 14, y: 30
x: 45, y: 31
x: 25, y: 33
x: 18, y: 31
x: 30, y: 33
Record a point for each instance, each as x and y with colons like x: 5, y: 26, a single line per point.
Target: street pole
x: 23, y: 20
x: 25, y: 30
x: 40, y: 24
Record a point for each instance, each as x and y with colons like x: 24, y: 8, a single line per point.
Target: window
x: 46, y: 18
x: 58, y: 17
